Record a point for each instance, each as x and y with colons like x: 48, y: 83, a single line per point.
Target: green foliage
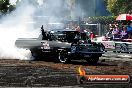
x: 5, y: 6
x: 117, y: 7
x: 103, y: 19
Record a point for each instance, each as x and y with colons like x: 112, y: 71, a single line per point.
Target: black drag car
x: 64, y: 45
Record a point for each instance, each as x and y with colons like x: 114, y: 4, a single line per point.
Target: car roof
x: 61, y: 30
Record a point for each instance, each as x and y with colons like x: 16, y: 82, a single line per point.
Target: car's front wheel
x: 63, y: 57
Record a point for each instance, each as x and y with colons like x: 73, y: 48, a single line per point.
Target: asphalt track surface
x: 20, y: 73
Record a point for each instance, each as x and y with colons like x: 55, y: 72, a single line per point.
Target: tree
x: 117, y: 7
x: 5, y: 6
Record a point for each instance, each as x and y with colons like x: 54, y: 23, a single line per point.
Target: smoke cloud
x: 25, y: 22
x: 18, y: 24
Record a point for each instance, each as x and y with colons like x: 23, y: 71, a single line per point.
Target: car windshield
x: 69, y: 36
x: 72, y: 35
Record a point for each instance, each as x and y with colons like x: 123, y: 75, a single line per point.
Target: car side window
x: 57, y: 36
x: 61, y: 37
x: 52, y: 37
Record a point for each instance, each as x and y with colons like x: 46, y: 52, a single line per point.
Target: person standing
x: 115, y: 32
x: 44, y: 35
x: 129, y: 30
x: 78, y: 29
x: 92, y: 35
x: 109, y: 33
x: 124, y: 34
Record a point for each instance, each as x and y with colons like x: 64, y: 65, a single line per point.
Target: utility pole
x: 71, y: 5
x: 95, y: 13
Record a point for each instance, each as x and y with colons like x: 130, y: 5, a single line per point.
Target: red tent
x: 124, y: 17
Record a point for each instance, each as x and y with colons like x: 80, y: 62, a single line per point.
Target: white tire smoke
x: 18, y: 24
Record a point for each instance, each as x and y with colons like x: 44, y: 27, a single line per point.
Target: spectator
x: 109, y: 33
x: 129, y: 30
x: 115, y: 32
x: 124, y: 34
x: 92, y: 35
x: 44, y: 35
x: 78, y: 29
x: 87, y: 32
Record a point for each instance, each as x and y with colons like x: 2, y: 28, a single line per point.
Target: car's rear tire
x: 35, y: 56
